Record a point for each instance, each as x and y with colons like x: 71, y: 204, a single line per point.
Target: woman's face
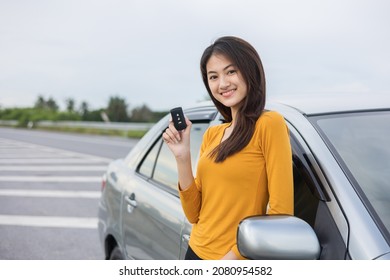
x: 225, y: 81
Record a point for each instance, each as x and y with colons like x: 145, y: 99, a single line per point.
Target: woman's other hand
x: 230, y: 256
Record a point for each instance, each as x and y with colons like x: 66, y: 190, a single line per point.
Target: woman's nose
x: 224, y: 82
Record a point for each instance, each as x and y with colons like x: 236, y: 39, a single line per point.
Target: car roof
x: 313, y: 104
x: 317, y: 104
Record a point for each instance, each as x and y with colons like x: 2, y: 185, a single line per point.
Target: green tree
x: 84, y: 109
x: 40, y: 103
x: 52, y: 105
x: 70, y: 105
x: 141, y: 114
x: 43, y: 104
x: 117, y: 109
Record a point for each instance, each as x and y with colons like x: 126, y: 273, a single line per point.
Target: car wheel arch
x: 109, y: 246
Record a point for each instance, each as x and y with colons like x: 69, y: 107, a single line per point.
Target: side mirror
x: 277, y: 237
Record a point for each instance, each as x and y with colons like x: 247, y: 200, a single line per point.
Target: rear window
x: 160, y: 164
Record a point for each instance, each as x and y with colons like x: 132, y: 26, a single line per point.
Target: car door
x: 314, y: 203
x: 152, y: 216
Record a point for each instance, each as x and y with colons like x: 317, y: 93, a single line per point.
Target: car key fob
x: 178, y: 118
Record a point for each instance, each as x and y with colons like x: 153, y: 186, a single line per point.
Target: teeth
x: 227, y: 92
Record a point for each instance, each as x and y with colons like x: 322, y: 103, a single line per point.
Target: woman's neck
x: 234, y: 117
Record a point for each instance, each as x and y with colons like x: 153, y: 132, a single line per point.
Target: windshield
x: 361, y: 143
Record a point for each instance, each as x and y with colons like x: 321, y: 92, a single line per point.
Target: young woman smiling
x: 245, y: 164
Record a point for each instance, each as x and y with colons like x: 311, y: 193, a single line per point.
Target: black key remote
x: 178, y: 118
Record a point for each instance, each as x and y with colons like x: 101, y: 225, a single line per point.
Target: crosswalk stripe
x: 56, y: 150
x: 84, y: 179
x: 50, y: 193
x: 47, y: 160
x: 49, y: 221
x: 29, y: 155
x: 53, y: 167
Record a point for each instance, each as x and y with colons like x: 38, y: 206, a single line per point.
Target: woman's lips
x: 228, y: 93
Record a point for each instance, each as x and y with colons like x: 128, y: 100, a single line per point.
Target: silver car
x: 341, y: 160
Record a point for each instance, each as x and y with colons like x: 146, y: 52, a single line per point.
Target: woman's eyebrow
x: 214, y: 72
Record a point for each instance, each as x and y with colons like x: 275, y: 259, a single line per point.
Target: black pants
x: 190, y: 255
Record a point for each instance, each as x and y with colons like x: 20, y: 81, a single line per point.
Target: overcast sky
x: 148, y: 51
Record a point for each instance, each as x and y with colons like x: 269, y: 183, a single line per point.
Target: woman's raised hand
x: 178, y: 141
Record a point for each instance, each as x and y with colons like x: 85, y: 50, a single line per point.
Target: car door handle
x: 131, y: 200
x: 131, y: 203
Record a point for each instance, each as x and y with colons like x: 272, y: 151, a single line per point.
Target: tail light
x: 104, y: 182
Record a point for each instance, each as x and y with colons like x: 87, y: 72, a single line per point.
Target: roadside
x: 96, y: 131
x: 111, y: 147
x: 126, y: 130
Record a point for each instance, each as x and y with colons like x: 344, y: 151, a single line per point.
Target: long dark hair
x: 248, y: 62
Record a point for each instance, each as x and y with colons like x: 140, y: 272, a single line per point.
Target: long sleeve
x: 191, y: 198
x: 278, y: 158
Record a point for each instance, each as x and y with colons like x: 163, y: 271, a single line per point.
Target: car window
x: 148, y: 164
x: 359, y: 141
x: 310, y: 205
x: 165, y: 171
x: 160, y: 164
x: 305, y: 201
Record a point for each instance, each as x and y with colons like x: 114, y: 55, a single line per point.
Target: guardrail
x: 81, y: 124
x: 9, y: 122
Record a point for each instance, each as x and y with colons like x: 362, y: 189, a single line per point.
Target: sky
x: 147, y: 51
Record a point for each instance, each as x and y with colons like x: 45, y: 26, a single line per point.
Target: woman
x: 245, y: 164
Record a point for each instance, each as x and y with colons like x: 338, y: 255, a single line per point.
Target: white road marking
x: 49, y: 221
x: 48, y: 160
x: 50, y: 193
x: 51, y: 179
x: 28, y: 155
x: 55, y: 150
x: 21, y: 156
x: 54, y: 168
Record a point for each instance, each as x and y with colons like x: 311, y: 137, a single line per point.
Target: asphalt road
x: 49, y: 193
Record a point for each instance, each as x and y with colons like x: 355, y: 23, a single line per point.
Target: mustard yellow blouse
x: 258, y: 180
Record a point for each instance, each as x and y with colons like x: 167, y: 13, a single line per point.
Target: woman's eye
x: 230, y: 72
x: 212, y: 77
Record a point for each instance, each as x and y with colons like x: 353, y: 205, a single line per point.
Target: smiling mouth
x: 228, y: 93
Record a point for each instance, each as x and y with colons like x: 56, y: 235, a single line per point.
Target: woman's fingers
x: 187, y: 130
x: 173, y: 130
x: 171, y: 135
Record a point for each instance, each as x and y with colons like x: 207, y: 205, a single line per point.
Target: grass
x: 95, y: 131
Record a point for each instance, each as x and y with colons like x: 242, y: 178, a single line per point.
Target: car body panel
x: 109, y: 210
x: 159, y: 219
